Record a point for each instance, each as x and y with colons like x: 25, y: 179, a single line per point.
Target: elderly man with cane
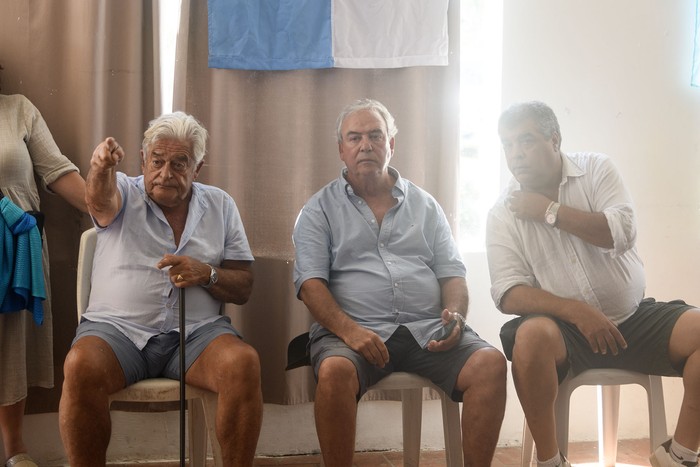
x: 158, y: 233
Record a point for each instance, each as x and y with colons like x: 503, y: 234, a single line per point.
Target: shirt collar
x: 569, y: 168
x: 195, y: 211
x: 399, y: 186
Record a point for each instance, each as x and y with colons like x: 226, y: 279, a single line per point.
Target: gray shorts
x: 442, y: 368
x: 161, y: 355
x: 647, y: 332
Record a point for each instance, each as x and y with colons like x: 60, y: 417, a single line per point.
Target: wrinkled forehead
x: 363, y: 120
x: 515, y: 129
x: 171, y: 148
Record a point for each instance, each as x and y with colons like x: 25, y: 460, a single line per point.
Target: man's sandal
x: 21, y: 460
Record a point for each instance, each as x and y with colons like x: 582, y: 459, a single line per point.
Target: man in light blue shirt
x: 377, y: 267
x: 155, y: 234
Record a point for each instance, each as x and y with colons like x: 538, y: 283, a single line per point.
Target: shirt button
x: 373, y: 221
x: 381, y: 244
x: 388, y: 262
x: 396, y: 284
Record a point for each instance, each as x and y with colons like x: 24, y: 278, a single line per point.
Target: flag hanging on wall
x: 295, y: 34
x: 695, y: 79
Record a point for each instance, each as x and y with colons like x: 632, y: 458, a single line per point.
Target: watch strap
x: 213, y: 277
x: 551, y: 215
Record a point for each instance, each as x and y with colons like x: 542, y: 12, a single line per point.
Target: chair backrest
x: 88, y: 241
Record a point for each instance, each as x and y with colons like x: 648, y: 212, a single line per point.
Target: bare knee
x: 537, y: 338
x: 684, y: 342
x: 91, y: 366
x: 240, y: 368
x: 338, y: 375
x: 244, y: 360
x: 485, y: 369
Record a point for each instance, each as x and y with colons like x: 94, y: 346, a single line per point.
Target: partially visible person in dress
x: 27, y: 150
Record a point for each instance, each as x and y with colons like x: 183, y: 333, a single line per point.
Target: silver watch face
x: 550, y: 218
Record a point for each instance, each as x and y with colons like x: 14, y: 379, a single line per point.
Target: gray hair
x: 366, y: 104
x: 179, y: 126
x: 538, y: 111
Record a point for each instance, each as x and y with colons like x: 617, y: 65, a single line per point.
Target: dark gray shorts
x: 647, y: 332
x: 161, y: 355
x: 442, y: 368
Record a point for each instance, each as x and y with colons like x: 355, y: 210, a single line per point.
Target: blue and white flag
x: 295, y: 34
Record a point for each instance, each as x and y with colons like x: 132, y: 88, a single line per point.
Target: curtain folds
x: 272, y: 145
x: 90, y: 67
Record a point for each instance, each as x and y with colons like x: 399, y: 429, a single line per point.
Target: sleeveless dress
x: 27, y: 151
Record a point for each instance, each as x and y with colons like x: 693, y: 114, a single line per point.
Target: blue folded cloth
x: 21, y: 271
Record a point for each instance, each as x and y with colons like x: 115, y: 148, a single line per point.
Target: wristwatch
x: 458, y: 317
x: 550, y: 215
x: 213, y: 277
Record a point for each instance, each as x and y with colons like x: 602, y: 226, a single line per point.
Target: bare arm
x: 71, y: 187
x: 455, y: 301
x: 600, y: 332
x: 235, y: 278
x: 326, y: 311
x: 591, y: 227
x: 101, y: 194
x: 455, y: 296
x: 235, y: 281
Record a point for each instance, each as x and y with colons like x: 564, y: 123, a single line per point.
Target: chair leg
x: 527, y: 449
x: 561, y: 411
x: 412, y: 412
x: 658, y: 433
x: 197, y: 432
x: 607, y: 454
x: 452, y: 428
x: 210, y: 403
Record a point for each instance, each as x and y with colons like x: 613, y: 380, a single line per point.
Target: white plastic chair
x: 610, y: 380
x: 411, y: 387
x: 201, y: 404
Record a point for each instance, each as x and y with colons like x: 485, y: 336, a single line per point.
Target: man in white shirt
x: 562, y: 256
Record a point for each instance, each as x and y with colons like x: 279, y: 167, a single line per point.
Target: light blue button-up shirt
x: 129, y: 291
x: 381, y: 276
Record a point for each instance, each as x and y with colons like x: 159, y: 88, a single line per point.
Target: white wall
x: 617, y: 73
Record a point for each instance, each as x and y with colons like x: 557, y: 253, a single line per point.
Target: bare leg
x: 539, y: 348
x: 686, y: 344
x: 231, y: 368
x: 11, y: 417
x: 335, y: 409
x: 483, y: 381
x: 92, y: 372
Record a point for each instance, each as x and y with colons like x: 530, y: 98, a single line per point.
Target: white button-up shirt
x: 522, y: 252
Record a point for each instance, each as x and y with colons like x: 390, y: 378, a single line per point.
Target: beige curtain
x: 90, y: 67
x: 273, y: 145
